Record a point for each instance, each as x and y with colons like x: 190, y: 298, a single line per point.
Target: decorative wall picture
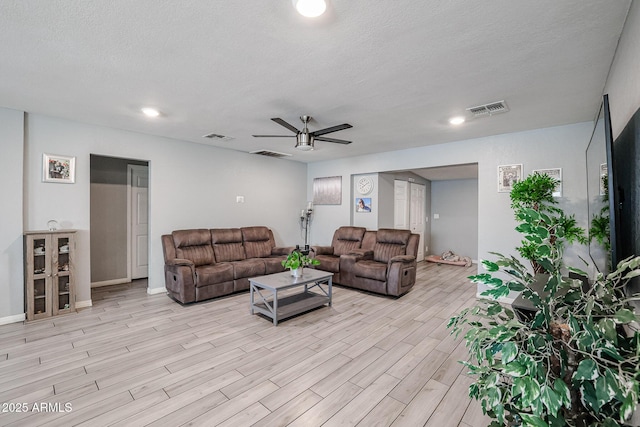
x: 555, y: 173
x: 604, y: 173
x: 57, y: 168
x: 327, y: 191
x: 363, y: 204
x: 507, y: 176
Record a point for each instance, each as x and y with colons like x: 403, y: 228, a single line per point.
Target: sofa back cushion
x: 346, y: 239
x: 258, y: 241
x: 194, y: 245
x: 389, y: 243
x: 227, y: 244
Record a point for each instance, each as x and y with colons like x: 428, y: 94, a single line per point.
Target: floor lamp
x: 305, y: 224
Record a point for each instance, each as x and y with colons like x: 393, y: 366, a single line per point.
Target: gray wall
x: 108, y: 217
x: 11, y: 193
x: 561, y: 146
x: 385, y: 200
x: 456, y: 203
x: 623, y: 83
x: 190, y: 186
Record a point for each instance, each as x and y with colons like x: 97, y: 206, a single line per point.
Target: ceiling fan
x: 304, y: 138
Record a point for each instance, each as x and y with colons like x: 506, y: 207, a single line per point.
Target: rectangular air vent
x: 217, y: 137
x: 489, y: 109
x: 269, y: 153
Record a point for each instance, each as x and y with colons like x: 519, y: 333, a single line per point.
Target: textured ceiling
x: 394, y: 69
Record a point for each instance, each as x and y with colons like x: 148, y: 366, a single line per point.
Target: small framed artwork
x: 507, y: 176
x: 56, y: 168
x: 363, y: 204
x: 327, y: 191
x: 604, y: 175
x: 555, y: 173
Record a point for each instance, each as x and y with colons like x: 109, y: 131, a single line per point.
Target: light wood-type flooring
x: 135, y: 359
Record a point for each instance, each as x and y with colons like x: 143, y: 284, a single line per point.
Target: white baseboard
x: 12, y: 319
x: 83, y: 304
x: 154, y: 291
x: 110, y: 282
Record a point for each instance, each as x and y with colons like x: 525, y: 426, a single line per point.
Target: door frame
x: 130, y: 168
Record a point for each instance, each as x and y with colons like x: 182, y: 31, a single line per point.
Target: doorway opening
x: 119, y: 217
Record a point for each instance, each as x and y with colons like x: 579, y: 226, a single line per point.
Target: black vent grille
x: 217, y: 137
x: 269, y: 153
x: 489, y: 109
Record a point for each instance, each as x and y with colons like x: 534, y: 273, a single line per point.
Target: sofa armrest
x: 401, y: 274
x: 283, y: 250
x: 402, y: 258
x: 322, y: 250
x: 362, y: 254
x: 180, y: 279
x: 180, y: 261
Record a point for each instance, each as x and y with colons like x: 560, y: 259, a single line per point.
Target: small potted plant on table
x: 296, y: 261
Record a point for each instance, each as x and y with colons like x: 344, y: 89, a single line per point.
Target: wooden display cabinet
x: 49, y: 273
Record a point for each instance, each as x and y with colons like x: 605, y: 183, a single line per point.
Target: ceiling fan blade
x: 285, y: 124
x: 339, y: 141
x: 331, y: 129
x: 274, y: 136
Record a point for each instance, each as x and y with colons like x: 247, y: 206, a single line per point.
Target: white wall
x: 11, y: 270
x: 562, y: 146
x: 623, y: 83
x: 190, y: 185
x: 456, y: 229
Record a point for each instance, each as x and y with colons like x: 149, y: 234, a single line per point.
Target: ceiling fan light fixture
x: 304, y: 142
x: 310, y: 8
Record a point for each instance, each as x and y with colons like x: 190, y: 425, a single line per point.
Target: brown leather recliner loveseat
x: 200, y: 264
x: 382, y: 261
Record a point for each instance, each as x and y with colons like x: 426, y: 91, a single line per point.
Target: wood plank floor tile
x: 134, y: 359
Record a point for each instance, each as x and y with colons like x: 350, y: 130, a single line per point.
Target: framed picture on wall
x: 327, y: 191
x: 363, y: 204
x: 57, y: 168
x: 555, y: 173
x: 507, y: 176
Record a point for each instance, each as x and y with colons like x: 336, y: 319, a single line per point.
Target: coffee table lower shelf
x: 291, y: 305
x: 275, y: 295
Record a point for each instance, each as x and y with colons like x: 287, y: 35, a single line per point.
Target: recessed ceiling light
x: 310, y: 8
x: 456, y: 120
x: 150, y: 112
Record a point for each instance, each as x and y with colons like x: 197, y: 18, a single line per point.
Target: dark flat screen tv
x: 624, y: 191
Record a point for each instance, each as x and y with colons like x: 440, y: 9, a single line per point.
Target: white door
x: 139, y: 221
x: 416, y: 214
x: 401, y: 205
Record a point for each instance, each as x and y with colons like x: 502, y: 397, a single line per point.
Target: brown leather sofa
x: 382, y: 261
x: 200, y: 264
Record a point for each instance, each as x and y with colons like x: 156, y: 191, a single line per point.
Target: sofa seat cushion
x: 227, y: 244
x: 248, y: 268
x: 371, y: 270
x: 211, y: 274
x: 328, y: 263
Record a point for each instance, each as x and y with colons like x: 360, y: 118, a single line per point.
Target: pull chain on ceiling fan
x: 304, y: 139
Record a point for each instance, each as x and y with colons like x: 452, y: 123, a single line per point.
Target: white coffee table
x: 267, y: 293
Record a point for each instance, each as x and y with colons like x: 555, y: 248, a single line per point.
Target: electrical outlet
x: 436, y: 216
x: 239, y: 199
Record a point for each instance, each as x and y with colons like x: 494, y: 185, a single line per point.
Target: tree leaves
x: 587, y: 370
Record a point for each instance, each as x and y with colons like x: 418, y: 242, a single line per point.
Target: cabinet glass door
x: 39, y: 269
x: 62, y: 286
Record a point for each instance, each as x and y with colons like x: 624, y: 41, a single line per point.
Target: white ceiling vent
x: 269, y: 153
x: 490, y: 109
x: 217, y: 137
